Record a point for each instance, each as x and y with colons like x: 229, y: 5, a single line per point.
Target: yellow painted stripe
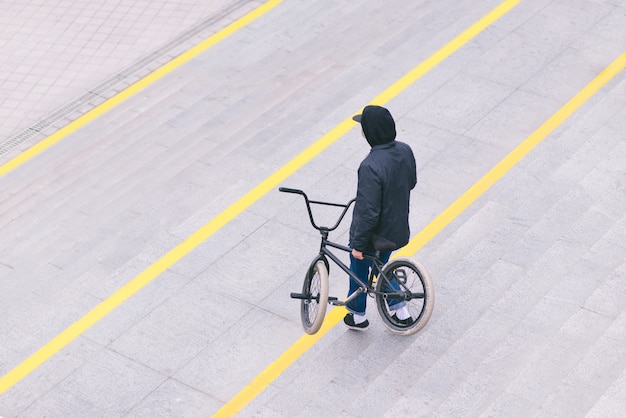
x: 334, y: 316
x: 270, y: 183
x: 267, y: 376
x: 106, y: 306
x: 137, y: 87
x: 489, y: 179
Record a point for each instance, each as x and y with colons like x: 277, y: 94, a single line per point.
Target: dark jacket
x: 385, y: 179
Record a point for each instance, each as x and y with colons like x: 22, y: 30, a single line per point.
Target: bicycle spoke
x: 404, y: 287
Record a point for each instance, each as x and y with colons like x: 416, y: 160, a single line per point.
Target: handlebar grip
x: 288, y: 190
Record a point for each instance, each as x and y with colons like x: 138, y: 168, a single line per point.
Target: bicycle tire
x: 417, y: 281
x: 313, y: 308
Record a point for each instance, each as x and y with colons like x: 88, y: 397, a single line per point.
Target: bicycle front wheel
x: 313, y: 307
x: 405, y: 276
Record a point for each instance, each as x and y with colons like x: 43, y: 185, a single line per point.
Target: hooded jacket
x: 385, y: 180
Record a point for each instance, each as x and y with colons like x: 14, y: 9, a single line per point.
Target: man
x: 381, y: 212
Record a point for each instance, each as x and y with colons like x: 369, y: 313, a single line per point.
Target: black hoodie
x: 385, y: 179
x: 378, y: 125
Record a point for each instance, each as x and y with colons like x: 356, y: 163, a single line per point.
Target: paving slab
x: 531, y: 274
x: 53, y: 53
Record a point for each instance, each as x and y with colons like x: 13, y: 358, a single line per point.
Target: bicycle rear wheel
x: 412, y: 279
x: 313, y: 308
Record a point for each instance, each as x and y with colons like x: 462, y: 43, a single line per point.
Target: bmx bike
x: 399, y: 282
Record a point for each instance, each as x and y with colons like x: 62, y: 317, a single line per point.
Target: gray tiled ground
x: 529, y: 316
x: 53, y: 52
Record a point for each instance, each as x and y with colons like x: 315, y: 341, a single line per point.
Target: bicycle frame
x: 325, y: 252
x: 362, y: 286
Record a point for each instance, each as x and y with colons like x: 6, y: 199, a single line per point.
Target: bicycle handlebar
x: 288, y: 190
x: 308, y: 207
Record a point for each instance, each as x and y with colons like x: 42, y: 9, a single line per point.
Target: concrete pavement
x: 530, y: 310
x: 60, y: 59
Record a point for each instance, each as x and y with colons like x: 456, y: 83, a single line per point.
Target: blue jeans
x: 362, y: 269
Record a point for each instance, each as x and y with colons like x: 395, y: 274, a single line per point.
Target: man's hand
x: 357, y: 254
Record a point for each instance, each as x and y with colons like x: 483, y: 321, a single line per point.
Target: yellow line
x: 267, y: 376
x: 106, y: 306
x: 227, y: 215
x: 444, y: 52
x: 270, y: 183
x: 137, y: 87
x: 489, y: 179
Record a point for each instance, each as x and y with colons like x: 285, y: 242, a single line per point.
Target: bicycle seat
x: 383, y: 244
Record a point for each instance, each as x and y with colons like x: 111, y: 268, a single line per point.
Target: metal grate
x: 100, y: 91
x: 15, y: 140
